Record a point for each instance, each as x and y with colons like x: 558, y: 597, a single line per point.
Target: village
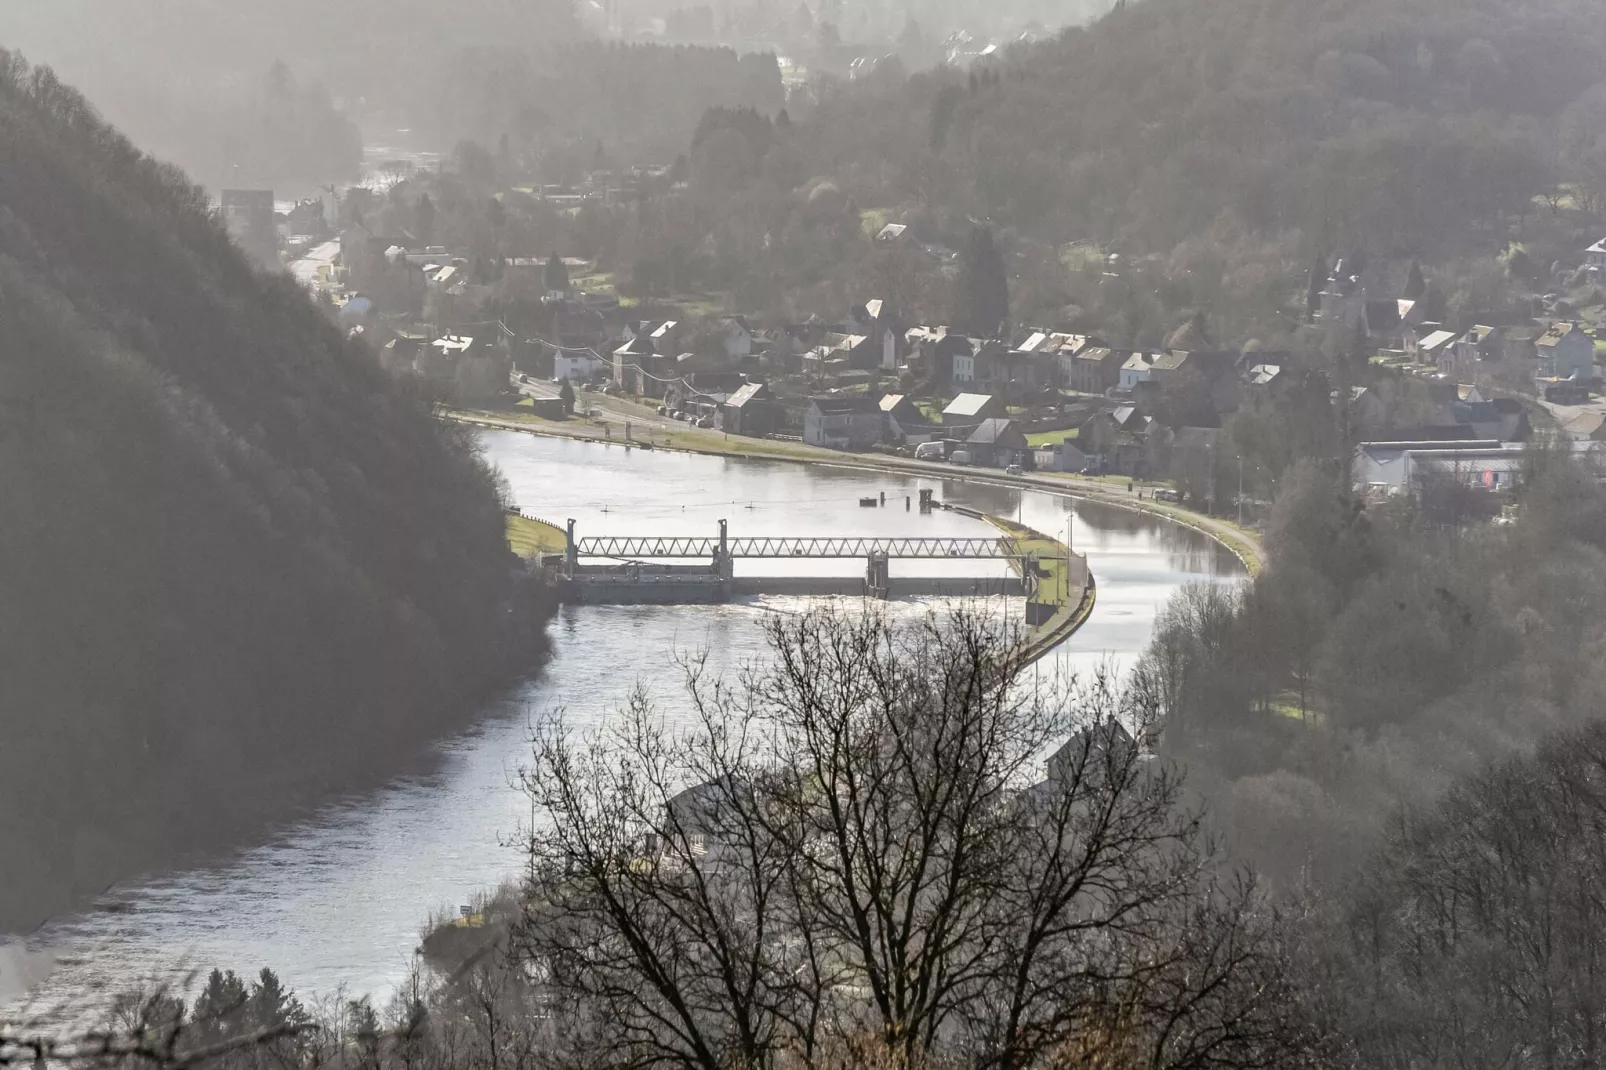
x: 1423, y: 400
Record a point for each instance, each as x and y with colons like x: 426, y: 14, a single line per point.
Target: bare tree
x: 852, y: 858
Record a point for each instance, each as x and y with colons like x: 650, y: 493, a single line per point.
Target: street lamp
x: 1068, y: 517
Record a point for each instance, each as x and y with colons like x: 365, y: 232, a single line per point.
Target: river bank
x: 1243, y: 543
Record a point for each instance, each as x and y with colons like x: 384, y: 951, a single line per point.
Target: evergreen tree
x: 1415, y: 284
x: 556, y: 276
x: 220, y: 1008
x: 983, y: 285
x: 424, y: 220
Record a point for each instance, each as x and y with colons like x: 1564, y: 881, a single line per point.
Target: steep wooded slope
x: 238, y: 569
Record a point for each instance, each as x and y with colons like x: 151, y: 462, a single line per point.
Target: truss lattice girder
x: 637, y: 546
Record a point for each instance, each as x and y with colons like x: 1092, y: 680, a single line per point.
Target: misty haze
x: 803, y: 535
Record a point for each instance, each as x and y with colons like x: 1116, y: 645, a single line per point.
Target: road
x: 1564, y: 413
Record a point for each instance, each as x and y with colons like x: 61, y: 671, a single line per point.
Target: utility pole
x: 1240, y: 490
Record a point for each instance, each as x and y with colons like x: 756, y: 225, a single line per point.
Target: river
x: 337, y: 902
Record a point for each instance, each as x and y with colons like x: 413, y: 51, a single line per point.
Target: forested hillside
x: 237, y: 568
x: 1219, y: 147
x: 565, y: 108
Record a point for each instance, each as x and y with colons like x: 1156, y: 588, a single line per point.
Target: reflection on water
x: 338, y: 900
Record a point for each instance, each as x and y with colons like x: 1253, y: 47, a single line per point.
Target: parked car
x: 1012, y: 470
x: 706, y: 421
x: 959, y: 457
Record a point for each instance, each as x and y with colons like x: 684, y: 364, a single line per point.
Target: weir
x: 689, y: 570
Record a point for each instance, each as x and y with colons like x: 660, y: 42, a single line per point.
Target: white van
x: 928, y: 451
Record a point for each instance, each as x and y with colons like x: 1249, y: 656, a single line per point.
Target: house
x: 843, y: 423
x: 1478, y: 344
x: 1503, y: 419
x: 1047, y: 355
x: 701, y: 391
x: 1388, y: 320
x: 695, y: 821
x: 473, y: 370
x: 997, y: 442
x: 1595, y: 256
x: 877, y: 320
x: 1117, y: 441
x: 581, y: 367
x: 666, y: 336
x: 1435, y: 348
x: 1345, y: 304
x: 1566, y: 351
x: 903, y: 422
x: 965, y: 365
x: 841, y: 351
x: 629, y: 358
x: 969, y: 410
x: 1146, y: 367
x: 937, y: 348
x: 1093, y: 369
x: 1017, y: 371
x: 1367, y: 407
x: 1090, y: 753
x: 1062, y: 456
x: 736, y: 338
x: 899, y: 407
x: 750, y: 411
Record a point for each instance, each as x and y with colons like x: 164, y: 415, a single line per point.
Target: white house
x: 964, y: 370
x: 582, y: 367
x: 843, y: 423
x: 1141, y: 367
x: 1595, y: 256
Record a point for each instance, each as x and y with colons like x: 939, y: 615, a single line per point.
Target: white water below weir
x: 337, y: 901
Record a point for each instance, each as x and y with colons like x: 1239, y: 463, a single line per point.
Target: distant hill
x: 239, y: 570
x: 1236, y: 138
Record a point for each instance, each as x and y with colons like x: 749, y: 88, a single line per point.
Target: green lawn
x: 1050, y: 560
x: 1050, y: 438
